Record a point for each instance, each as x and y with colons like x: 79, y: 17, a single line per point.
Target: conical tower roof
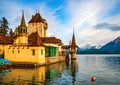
x: 23, y: 24
x: 73, y: 43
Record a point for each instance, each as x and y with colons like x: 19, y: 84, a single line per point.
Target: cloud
x: 81, y: 14
x: 113, y: 27
x: 96, y: 37
x: 88, y: 11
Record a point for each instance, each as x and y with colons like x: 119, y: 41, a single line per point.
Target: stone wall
x: 25, y: 54
x: 50, y: 60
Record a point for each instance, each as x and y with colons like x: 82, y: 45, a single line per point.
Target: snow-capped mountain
x: 88, y: 47
x: 112, y: 46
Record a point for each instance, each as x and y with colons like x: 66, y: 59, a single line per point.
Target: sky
x: 95, y: 22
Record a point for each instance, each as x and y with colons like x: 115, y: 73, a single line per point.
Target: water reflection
x: 53, y: 72
x: 32, y: 76
x: 74, y: 69
x: 24, y: 76
x: 4, y: 72
x: 76, y: 72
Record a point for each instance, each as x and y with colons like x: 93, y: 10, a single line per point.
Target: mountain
x: 88, y: 47
x: 112, y: 46
x: 79, y: 49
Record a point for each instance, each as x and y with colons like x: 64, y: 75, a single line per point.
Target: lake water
x: 106, y: 69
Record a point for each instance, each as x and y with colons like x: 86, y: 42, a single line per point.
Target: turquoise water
x: 106, y: 69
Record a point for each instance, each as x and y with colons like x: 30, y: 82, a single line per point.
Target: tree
x: 1, y: 30
x: 11, y: 32
x: 4, y: 26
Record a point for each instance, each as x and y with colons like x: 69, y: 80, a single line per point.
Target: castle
x: 31, y: 45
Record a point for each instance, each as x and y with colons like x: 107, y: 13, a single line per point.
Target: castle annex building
x: 31, y: 44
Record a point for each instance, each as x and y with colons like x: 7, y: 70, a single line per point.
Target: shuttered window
x: 50, y: 51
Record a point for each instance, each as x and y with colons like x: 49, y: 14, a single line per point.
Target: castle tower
x: 39, y: 24
x: 22, y: 37
x: 73, y: 47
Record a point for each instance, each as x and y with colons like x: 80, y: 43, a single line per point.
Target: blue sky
x: 96, y: 22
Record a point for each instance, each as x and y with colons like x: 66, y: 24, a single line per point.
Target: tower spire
x: 73, y: 43
x: 38, y: 10
x: 73, y: 47
x: 23, y: 24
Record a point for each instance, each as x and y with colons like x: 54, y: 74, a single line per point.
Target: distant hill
x: 112, y: 46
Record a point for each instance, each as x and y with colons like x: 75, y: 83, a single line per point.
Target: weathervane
x: 73, y: 29
x: 22, y: 12
x: 37, y: 10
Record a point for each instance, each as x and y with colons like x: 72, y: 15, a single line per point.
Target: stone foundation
x: 73, y: 56
x: 50, y: 60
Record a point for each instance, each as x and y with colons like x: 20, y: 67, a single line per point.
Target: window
x: 42, y: 52
x: 24, y: 30
x: 33, y: 51
x: 20, y: 30
x: 13, y: 51
x: 45, y: 27
x: 18, y: 51
x: 50, y: 51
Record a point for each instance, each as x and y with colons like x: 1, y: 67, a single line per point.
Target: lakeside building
x: 31, y: 45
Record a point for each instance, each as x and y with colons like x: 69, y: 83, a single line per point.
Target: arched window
x: 20, y: 30
x: 24, y: 30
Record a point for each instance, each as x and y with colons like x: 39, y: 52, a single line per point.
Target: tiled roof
x: 50, y: 40
x: 7, y: 39
x: 36, y: 18
x: 66, y: 46
x: 34, y: 39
